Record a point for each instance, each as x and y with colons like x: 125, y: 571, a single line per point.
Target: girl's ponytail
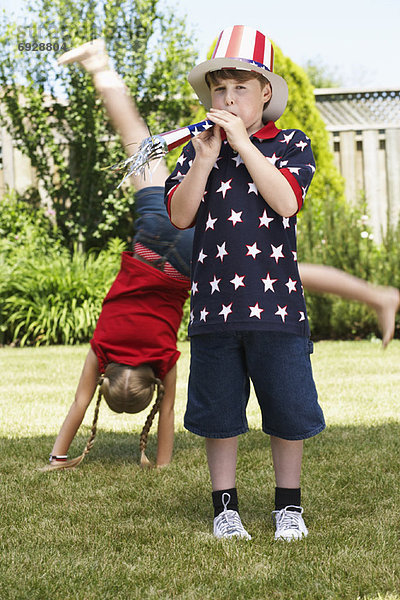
x: 144, y: 461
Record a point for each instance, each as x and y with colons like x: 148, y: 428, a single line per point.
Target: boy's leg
x: 221, y: 456
x: 216, y: 410
x: 384, y: 300
x: 287, y: 457
x: 280, y: 368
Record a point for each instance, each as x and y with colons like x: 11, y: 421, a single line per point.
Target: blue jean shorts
x: 155, y: 231
x: 279, y: 366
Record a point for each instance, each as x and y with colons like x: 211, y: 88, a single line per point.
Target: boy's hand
x: 207, y: 145
x: 233, y: 125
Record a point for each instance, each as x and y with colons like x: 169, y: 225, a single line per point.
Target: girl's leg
x: 383, y: 299
x: 120, y: 107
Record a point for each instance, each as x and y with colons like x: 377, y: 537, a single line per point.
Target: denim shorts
x: 155, y: 231
x: 279, y: 366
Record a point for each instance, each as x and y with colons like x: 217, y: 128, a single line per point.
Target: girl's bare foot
x: 91, y: 55
x: 386, y: 313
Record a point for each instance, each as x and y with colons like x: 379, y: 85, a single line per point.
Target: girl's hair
x: 125, y: 389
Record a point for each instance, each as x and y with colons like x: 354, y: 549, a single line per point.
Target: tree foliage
x: 321, y: 76
x: 56, y: 119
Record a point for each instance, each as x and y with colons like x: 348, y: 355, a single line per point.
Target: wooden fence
x: 364, y: 128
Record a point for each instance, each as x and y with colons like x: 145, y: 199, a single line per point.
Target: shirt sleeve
x: 297, y: 164
x: 182, y: 167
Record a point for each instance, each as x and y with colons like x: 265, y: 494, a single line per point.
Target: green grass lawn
x: 109, y: 530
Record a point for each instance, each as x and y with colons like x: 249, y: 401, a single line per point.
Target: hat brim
x: 277, y: 104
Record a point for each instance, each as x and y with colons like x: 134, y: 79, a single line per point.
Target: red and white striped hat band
x: 244, y: 48
x: 247, y: 44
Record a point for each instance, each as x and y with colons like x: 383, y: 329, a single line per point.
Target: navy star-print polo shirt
x: 244, y: 260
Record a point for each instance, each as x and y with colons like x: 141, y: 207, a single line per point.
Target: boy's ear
x: 267, y: 92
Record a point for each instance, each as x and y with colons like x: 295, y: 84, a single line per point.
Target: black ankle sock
x: 287, y: 497
x: 218, y: 504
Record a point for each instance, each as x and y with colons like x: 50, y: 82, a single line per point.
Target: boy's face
x: 244, y: 99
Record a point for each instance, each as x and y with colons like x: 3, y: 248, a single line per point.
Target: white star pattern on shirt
x: 224, y: 187
x: 252, y: 188
x: 210, y: 222
x: 311, y: 167
x: 281, y: 312
x: 203, y: 314
x: 287, y: 138
x: 301, y: 145
x: 277, y: 252
x: 272, y: 159
x: 216, y: 164
x: 202, y: 256
x: 252, y: 250
x: 255, y: 311
x: 191, y: 316
x: 304, y: 190
x: 215, y: 285
x: 238, y: 160
x: 265, y: 220
x: 232, y: 245
x: 268, y: 283
x: 226, y: 310
x: 236, y: 217
x: 291, y: 285
x: 238, y: 281
x: 178, y: 177
x: 221, y: 252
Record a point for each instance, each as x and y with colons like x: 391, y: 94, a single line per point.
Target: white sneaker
x: 228, y: 524
x: 289, y: 524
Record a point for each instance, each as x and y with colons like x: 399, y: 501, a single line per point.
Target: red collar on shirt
x: 268, y: 132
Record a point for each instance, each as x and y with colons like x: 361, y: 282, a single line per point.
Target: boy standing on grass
x: 241, y: 182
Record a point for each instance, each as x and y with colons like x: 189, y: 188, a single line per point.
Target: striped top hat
x: 244, y: 48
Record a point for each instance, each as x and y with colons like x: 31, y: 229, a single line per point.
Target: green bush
x: 54, y: 298
x: 24, y: 221
x: 339, y: 236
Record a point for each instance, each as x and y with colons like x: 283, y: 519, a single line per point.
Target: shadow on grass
x: 359, y: 462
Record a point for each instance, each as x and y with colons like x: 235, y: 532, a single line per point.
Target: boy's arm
x: 187, y: 196
x: 165, y: 432
x: 272, y: 185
